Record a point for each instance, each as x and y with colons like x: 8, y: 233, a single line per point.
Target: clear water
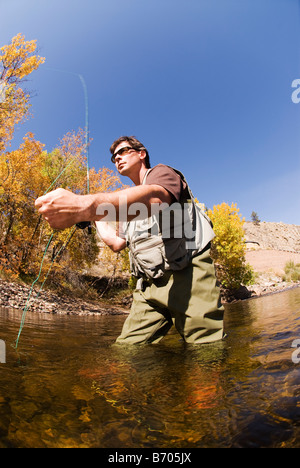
x: 68, y: 385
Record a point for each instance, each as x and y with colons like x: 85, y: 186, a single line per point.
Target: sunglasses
x: 121, y: 151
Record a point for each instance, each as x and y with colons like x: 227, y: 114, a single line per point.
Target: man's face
x: 126, y: 158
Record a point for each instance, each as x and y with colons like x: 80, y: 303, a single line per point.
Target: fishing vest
x: 169, y: 239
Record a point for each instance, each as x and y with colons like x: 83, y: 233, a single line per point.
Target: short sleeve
x: 169, y: 179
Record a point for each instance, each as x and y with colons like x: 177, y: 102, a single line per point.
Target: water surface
x: 68, y: 385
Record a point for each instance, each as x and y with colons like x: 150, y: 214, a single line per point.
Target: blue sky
x: 206, y: 85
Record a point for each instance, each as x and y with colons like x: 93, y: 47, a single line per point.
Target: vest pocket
x: 149, y: 259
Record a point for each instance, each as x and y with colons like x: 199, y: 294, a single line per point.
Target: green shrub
x: 292, y: 271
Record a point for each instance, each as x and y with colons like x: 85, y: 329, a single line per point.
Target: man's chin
x: 122, y: 170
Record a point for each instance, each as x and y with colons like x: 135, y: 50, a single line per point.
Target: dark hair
x: 135, y: 143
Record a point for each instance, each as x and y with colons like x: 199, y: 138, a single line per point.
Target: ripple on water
x: 68, y: 386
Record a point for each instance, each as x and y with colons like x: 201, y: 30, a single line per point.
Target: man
x: 169, y: 245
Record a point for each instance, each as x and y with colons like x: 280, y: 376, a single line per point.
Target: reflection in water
x: 69, y: 385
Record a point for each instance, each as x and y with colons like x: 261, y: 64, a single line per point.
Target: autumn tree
x: 228, y: 247
x: 29, y: 172
x: 17, y: 61
x: 254, y: 218
x: 18, y: 186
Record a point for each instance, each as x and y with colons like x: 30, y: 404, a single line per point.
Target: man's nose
x: 118, y: 158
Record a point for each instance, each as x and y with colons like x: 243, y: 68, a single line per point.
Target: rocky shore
x: 15, y: 296
x: 270, y: 246
x: 266, y: 286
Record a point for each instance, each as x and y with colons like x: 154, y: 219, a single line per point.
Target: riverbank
x: 14, y: 295
x: 270, y: 247
x: 269, y: 266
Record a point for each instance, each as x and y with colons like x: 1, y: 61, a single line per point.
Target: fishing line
x: 79, y: 225
x: 53, y: 260
x: 53, y: 183
x: 41, y: 266
x: 86, y: 132
x: 45, y: 279
x: 85, y: 224
x: 30, y: 292
x: 86, y: 118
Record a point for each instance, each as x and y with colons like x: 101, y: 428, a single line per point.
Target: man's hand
x: 62, y: 208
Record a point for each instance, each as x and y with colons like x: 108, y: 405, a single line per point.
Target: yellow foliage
x: 17, y: 60
x: 26, y: 174
x: 30, y: 171
x: 228, y: 247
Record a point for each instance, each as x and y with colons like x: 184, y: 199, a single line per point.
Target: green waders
x: 189, y: 298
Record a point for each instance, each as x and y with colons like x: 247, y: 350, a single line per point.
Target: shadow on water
x: 69, y: 385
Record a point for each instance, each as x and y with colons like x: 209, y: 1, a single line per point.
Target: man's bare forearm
x: 123, y: 200
x: 63, y: 209
x: 110, y: 237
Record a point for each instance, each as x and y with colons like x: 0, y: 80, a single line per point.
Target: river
x: 68, y: 385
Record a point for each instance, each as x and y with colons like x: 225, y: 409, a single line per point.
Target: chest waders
x: 170, y: 253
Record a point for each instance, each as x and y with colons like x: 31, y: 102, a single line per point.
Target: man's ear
x: 143, y: 154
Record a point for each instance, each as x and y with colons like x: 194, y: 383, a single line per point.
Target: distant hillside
x: 275, y: 236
